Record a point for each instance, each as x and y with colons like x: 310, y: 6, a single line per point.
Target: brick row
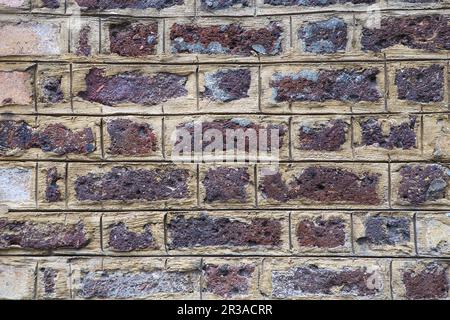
x: 222, y: 278
x: 269, y: 233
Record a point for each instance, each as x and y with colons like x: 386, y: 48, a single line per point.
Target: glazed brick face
x: 224, y: 149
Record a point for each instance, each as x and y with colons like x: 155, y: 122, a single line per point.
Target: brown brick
x: 325, y: 279
x: 17, y: 278
x: 131, y: 278
x: 51, y: 185
x: 436, y: 141
x: 323, y: 88
x: 424, y: 185
x: 420, y: 279
x: 84, y: 39
x: 49, y: 233
x: 134, y: 89
x: 230, y: 278
x: 321, y: 137
x: 390, y: 233
x: 53, y: 279
x: 17, y: 185
x: 25, y: 36
x: 53, y: 88
x: 128, y: 137
x: 321, y: 232
x: 228, y: 89
x: 432, y: 233
x: 381, y: 137
x: 133, y: 233
x: 224, y: 233
x: 125, y: 185
x: 325, y: 185
x: 17, y: 88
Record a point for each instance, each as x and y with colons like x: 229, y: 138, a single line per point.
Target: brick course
x: 93, y: 93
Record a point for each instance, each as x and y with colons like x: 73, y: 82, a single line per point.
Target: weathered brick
x: 134, y: 233
x: 417, y: 86
x: 132, y: 137
x: 122, y: 185
x: 228, y: 89
x: 433, y: 231
x: 387, y: 137
x: 14, y: 5
x: 134, y: 89
x: 321, y: 137
x: 53, y: 279
x: 49, y: 233
x: 84, y: 39
x: 416, y: 184
x: 326, y: 279
x: 17, y: 278
x: 221, y: 232
x: 326, y: 185
x: 228, y: 38
x: 128, y: 278
x: 240, y: 138
x: 420, y: 279
x: 51, y: 185
x: 226, y: 7
x: 53, y: 88
x: 132, y: 38
x: 323, y: 88
x: 321, y: 232
x: 231, y: 186
x: 230, y: 278
x: 48, y: 6
x: 17, y: 185
x: 436, y: 141
x: 17, y: 87
x: 383, y: 233
x: 25, y: 36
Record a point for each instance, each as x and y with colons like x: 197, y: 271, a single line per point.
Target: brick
x: 48, y: 6
x: 420, y: 185
x: 230, y: 278
x: 17, y: 87
x: 132, y: 38
x: 125, y: 185
x: 17, y: 278
x: 134, y: 89
x: 24, y: 36
x: 321, y: 232
x: 14, y: 5
x: 432, y: 233
x: 436, y: 141
x: 418, y: 86
x: 325, y: 279
x: 53, y: 279
x: 53, y: 88
x: 420, y: 279
x: 133, y: 233
x: 226, y: 7
x: 387, y: 137
x: 181, y: 141
x: 323, y: 88
x: 324, y: 185
x: 49, y: 233
x: 84, y: 37
x: 323, y: 34
x: 321, y: 137
x: 228, y: 89
x: 133, y: 8
x: 229, y: 39
x: 133, y: 137
x: 51, y: 185
x: 225, y: 185
x: 17, y: 185
x: 218, y: 232
x: 387, y: 233
x: 128, y: 278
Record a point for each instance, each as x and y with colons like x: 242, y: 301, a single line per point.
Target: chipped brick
x: 425, y: 84
x: 227, y: 85
x: 51, y: 90
x: 381, y: 230
x: 52, y: 191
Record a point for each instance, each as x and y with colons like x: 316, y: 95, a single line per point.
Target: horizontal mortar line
x: 206, y: 114
x: 94, y: 255
x: 250, y: 163
x: 238, y: 210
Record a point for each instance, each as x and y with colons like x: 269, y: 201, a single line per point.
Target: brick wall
x: 93, y: 207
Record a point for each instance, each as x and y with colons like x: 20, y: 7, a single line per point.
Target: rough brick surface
x: 224, y: 149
